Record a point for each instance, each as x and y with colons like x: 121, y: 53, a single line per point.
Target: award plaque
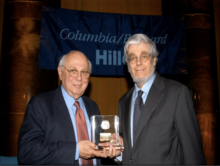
x: 105, y: 130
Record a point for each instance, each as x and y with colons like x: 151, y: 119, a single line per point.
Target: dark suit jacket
x: 168, y: 131
x: 47, y: 135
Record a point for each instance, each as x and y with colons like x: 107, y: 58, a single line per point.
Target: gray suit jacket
x: 168, y: 131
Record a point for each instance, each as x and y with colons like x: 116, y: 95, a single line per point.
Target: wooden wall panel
x: 21, y: 78
x: 106, y: 95
x: 216, y: 6
x: 1, y: 25
x: 106, y: 91
x: 139, y: 7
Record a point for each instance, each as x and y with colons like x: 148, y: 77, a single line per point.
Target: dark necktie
x: 82, y: 130
x: 138, y: 108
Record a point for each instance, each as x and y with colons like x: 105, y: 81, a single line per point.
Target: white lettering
x: 159, y: 39
x: 61, y: 33
x: 119, y: 58
x: 164, y: 39
x: 101, y: 37
x: 112, y: 39
x: 71, y: 37
x: 112, y: 60
x: 66, y: 34
x: 127, y: 36
x: 99, y: 57
x: 91, y: 37
x: 109, y: 57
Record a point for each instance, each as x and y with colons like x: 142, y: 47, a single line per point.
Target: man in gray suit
x: 158, y: 124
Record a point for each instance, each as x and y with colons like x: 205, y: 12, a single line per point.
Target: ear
x: 154, y: 62
x: 59, y: 72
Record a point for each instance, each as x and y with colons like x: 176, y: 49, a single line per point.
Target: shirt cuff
x: 119, y: 158
x: 77, y: 152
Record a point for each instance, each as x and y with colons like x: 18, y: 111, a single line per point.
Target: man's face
x: 141, y: 71
x: 76, y: 86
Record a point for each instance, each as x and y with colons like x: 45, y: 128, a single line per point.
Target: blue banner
x: 101, y: 37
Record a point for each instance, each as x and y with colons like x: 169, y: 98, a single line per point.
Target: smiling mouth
x: 138, y: 70
x: 77, y: 85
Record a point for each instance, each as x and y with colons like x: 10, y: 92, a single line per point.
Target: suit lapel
x: 89, y: 109
x: 127, y: 113
x: 154, y: 97
x: 63, y: 115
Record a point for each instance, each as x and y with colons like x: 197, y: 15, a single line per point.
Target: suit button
x: 131, y: 161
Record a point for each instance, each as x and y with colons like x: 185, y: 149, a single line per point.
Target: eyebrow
x: 131, y: 54
x: 77, y: 69
x: 142, y: 53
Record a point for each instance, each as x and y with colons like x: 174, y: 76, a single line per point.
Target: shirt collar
x: 145, y: 88
x: 69, y: 100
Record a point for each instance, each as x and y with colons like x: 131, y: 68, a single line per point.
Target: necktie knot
x: 140, y: 93
x: 77, y: 104
x: 139, y: 100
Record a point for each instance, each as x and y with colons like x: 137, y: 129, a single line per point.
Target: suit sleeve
x: 187, y: 129
x: 120, y: 118
x: 33, y: 148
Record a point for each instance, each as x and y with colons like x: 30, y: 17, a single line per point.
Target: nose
x: 79, y: 76
x: 138, y: 60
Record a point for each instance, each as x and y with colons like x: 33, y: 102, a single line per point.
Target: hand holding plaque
x: 105, y: 131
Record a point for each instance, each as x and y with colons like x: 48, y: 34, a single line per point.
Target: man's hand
x: 113, y: 151
x: 87, y: 150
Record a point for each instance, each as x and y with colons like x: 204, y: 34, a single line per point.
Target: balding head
x: 62, y: 59
x: 72, y: 70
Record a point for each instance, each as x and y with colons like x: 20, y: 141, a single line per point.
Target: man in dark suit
x: 157, y: 119
x: 54, y: 122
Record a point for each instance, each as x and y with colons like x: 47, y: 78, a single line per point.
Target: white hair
x: 137, y: 39
x: 141, y: 38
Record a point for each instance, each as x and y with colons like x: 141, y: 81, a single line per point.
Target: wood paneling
x: 140, y: 7
x: 1, y: 26
x: 216, y: 6
x: 201, y: 64
x: 21, y: 79
x: 106, y: 91
x: 208, y: 126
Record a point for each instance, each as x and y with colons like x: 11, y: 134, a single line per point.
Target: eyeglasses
x: 74, y: 73
x: 143, y: 58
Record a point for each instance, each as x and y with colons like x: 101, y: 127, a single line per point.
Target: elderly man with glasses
x: 56, y: 127
x: 157, y: 119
